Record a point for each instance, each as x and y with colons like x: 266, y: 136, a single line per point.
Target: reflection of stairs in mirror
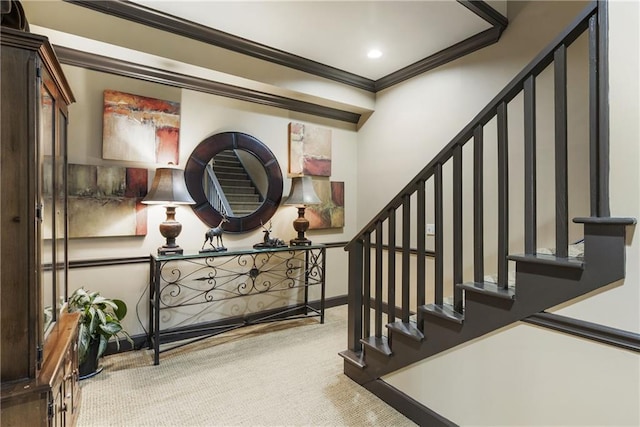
x: 241, y: 193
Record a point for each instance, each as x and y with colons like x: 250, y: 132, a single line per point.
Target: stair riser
x: 246, y: 198
x: 232, y: 176
x: 238, y: 190
x: 355, y: 373
x: 375, y: 358
x: 606, y: 240
x: 244, y: 207
x: 228, y: 166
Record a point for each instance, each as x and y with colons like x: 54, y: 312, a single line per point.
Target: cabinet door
x: 58, y: 414
x: 75, y: 378
x: 71, y: 386
x: 53, y: 182
x: 60, y: 204
x: 46, y: 179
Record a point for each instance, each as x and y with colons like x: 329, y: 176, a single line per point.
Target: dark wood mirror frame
x: 195, y: 170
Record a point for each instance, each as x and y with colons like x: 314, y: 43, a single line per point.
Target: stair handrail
x: 511, y: 90
x: 216, y: 195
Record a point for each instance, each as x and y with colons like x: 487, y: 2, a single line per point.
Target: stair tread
x: 444, y: 311
x: 605, y: 220
x: 546, y: 259
x: 489, y: 288
x: 408, y: 329
x: 379, y: 344
x: 354, y: 358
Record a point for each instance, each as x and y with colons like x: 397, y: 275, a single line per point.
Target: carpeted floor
x: 279, y: 374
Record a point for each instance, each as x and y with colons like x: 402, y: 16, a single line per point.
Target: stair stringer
x: 539, y: 286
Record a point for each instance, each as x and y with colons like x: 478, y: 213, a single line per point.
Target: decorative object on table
x: 138, y: 128
x: 269, y: 242
x: 112, y: 194
x: 99, y: 321
x: 302, y: 195
x: 309, y: 150
x: 169, y: 189
x: 217, y: 233
x: 330, y: 212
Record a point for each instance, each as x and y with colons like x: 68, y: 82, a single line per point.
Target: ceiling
x: 330, y: 39
x: 339, y: 33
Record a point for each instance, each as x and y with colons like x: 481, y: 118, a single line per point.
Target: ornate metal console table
x: 196, y: 296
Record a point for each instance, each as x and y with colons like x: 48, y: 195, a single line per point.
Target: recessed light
x: 374, y: 54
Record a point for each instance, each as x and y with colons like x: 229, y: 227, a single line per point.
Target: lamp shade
x: 302, y: 192
x: 168, y: 188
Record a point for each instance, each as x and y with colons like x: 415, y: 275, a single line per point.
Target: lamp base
x: 301, y: 224
x: 299, y: 242
x: 170, y: 229
x: 177, y: 250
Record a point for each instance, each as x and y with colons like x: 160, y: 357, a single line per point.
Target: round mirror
x: 236, y: 175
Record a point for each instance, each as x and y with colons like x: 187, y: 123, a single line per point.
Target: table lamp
x: 170, y: 190
x: 302, y: 195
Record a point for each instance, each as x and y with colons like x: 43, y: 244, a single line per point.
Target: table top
x: 228, y: 252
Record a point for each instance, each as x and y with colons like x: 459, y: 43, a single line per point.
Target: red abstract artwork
x: 138, y: 128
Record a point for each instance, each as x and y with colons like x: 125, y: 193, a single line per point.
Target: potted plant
x: 99, y: 321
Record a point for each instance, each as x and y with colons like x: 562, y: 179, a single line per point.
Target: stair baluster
x: 457, y: 227
x: 530, y: 233
x: 503, y: 197
x: 421, y: 258
x: 406, y: 246
x: 439, y: 237
x: 391, y: 267
x: 478, y: 204
x: 561, y: 161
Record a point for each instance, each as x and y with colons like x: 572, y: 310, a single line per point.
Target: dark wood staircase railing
x: 393, y: 325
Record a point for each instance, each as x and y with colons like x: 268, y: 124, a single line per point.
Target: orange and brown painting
x: 330, y: 212
x: 309, y: 150
x: 141, y: 129
x: 106, y: 201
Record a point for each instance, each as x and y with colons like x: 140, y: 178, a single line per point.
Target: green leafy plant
x: 99, y: 321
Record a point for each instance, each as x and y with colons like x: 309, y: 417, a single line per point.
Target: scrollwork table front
x: 199, y: 295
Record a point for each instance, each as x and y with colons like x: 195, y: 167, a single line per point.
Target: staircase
x: 401, y: 312
x: 236, y: 184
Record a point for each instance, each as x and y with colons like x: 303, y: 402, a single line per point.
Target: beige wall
x: 201, y: 116
x: 524, y: 375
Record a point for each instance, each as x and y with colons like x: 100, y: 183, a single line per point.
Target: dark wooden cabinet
x: 53, y: 397
x: 39, y: 341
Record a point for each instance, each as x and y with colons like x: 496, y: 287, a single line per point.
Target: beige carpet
x: 279, y: 374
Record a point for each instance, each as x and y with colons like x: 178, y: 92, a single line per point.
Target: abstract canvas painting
x: 309, y: 150
x: 141, y: 129
x: 330, y: 212
x: 106, y: 201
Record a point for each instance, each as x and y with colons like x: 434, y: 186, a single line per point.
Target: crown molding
x: 121, y: 67
x: 142, y: 15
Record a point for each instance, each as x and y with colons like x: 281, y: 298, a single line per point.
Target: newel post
x: 354, y: 317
